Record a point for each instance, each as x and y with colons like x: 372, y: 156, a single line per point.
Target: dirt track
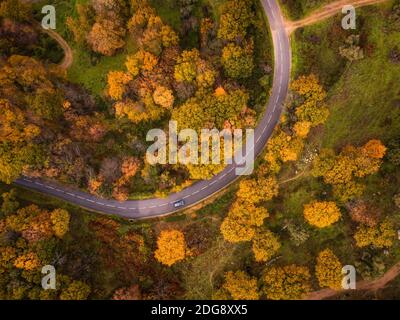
x: 373, y: 285
x: 327, y: 11
x: 68, y: 56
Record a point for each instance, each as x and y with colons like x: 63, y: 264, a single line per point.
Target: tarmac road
x: 201, y: 190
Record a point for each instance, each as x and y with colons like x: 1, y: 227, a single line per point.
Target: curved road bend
x: 203, y: 189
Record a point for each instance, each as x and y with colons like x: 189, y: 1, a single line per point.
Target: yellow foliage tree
x: 171, y: 247
x: 60, y: 221
x: 77, y: 290
x: 265, y: 245
x: 106, y: 37
x: 312, y: 110
x: 242, y: 220
x: 241, y: 286
x: 329, y: 270
x: 380, y: 236
x: 286, y: 283
x: 321, y: 214
x: 235, y: 19
x: 28, y: 261
x: 141, y: 60
x: 116, y: 83
x: 163, y: 97
x: 259, y: 189
x: 302, y: 128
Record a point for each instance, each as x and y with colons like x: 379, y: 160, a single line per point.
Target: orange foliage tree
x: 329, y: 270
x: 321, y: 214
x: 171, y: 247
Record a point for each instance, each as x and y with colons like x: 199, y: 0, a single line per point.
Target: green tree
x: 238, y: 60
x: 9, y: 205
x: 237, y: 16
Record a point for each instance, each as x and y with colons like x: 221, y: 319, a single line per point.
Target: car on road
x: 179, y: 203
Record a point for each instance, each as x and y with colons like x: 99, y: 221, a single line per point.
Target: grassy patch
x: 365, y: 101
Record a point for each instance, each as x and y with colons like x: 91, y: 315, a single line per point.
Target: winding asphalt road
x: 201, y: 190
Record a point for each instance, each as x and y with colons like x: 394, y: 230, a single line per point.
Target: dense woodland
x: 55, y: 129
x: 320, y: 198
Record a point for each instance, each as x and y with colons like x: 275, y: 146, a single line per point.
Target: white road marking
x: 163, y: 205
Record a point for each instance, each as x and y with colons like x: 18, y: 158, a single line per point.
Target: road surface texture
x: 202, y: 189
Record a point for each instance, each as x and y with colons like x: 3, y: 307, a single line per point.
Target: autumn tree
x: 15, y: 10
x: 28, y: 261
x: 379, y: 236
x: 236, y: 17
x: 141, y: 61
x: 312, y: 110
x: 129, y: 293
x: 17, y: 148
x: 163, y: 97
x: 242, y: 220
x: 153, y: 35
x: 302, y: 128
x: 190, y: 68
x: 283, y: 147
x: 343, y: 170
x: 374, y: 149
x: 133, y: 110
x: 259, y: 189
x: 241, y: 286
x: 171, y: 247
x: 209, y: 110
x: 265, y: 246
x: 117, y: 81
x: 321, y: 214
x: 106, y: 37
x: 329, y: 270
x: 286, y: 283
x: 9, y: 204
x: 60, y: 222
x: 46, y: 103
x: 81, y: 26
x: 77, y: 290
x: 238, y: 60
x: 362, y: 212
